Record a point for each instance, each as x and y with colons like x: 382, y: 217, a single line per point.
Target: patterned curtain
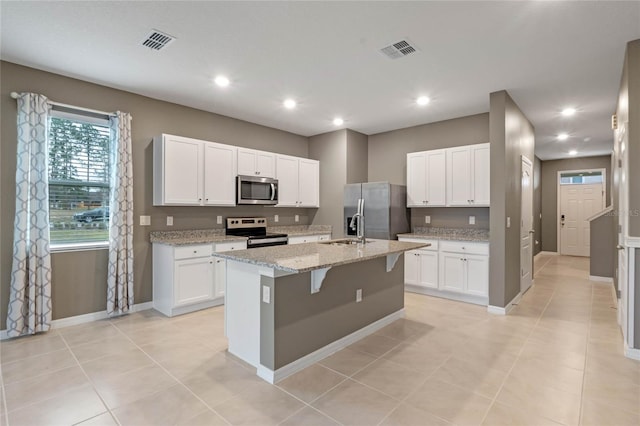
x: 29, y: 309
x: 120, y: 279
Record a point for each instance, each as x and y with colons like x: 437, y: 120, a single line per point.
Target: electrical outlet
x: 169, y: 220
x: 276, y: 218
x: 296, y: 218
x: 219, y: 220
x: 145, y: 220
x: 427, y: 219
x: 359, y: 295
x: 266, y: 294
x: 508, y: 222
x: 472, y: 220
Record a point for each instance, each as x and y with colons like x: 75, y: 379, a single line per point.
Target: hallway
x: 556, y: 359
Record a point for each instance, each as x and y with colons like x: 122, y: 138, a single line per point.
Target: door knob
x: 532, y: 231
x: 619, y: 247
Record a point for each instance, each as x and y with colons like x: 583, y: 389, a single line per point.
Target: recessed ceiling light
x: 563, y: 136
x: 338, y: 121
x: 423, y: 100
x: 289, y: 104
x: 221, y: 81
x: 567, y: 112
x: 573, y: 152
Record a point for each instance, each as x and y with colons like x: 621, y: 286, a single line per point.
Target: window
x: 580, y: 178
x: 78, y: 180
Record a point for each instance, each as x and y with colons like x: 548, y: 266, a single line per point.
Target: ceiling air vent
x: 156, y: 40
x: 399, y: 49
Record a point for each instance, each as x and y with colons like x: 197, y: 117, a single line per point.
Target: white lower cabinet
x: 309, y: 238
x: 453, y: 269
x: 189, y: 278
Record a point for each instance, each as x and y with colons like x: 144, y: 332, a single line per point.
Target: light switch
x: 276, y: 218
x: 145, y: 220
x: 508, y: 222
x: 472, y: 220
x: 296, y: 218
x: 266, y: 294
x: 427, y: 219
x: 219, y: 220
x: 169, y: 220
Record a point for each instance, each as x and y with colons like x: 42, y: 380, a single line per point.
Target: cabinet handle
x: 211, y: 263
x: 195, y: 251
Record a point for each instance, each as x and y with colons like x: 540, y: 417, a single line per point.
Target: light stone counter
x: 301, y: 230
x: 453, y: 234
x: 198, y: 236
x: 311, y: 256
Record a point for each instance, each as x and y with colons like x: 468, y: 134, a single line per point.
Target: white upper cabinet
x: 449, y: 177
x: 298, y: 181
x: 256, y: 163
x: 192, y: 172
x: 425, y: 178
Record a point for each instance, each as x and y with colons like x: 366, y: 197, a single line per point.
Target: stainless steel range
x: 255, y: 229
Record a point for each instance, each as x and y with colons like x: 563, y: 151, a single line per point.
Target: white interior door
x: 577, y: 204
x: 622, y: 270
x: 526, y: 225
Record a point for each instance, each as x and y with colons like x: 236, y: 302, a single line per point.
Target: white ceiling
x: 548, y: 55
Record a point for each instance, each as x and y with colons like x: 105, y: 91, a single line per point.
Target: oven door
x: 257, y: 190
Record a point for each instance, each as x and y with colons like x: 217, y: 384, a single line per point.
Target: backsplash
x: 450, y: 217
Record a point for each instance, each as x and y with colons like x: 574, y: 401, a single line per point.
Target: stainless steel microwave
x: 257, y: 190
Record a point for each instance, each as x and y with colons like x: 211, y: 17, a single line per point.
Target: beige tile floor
x: 556, y: 359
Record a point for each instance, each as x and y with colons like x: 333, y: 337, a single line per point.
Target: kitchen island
x: 287, y: 307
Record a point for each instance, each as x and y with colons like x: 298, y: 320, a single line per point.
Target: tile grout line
x: 494, y: 399
x: 90, y: 381
x: 173, y: 377
x: 586, y: 357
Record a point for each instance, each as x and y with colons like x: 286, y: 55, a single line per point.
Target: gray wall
x: 602, y: 253
x: 305, y: 322
x: 550, y: 171
x: 508, y: 143
x: 84, y: 290
x: 357, y: 157
x: 388, y: 162
x: 330, y: 149
x: 537, y: 205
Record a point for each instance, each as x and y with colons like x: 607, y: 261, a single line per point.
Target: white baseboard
x: 85, y: 318
x: 467, y: 298
x: 498, y: 310
x: 272, y: 376
x: 632, y: 353
x: 601, y: 279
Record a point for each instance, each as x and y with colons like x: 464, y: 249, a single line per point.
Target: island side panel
x: 297, y: 322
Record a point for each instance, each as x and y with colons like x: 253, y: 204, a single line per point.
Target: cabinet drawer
x: 464, y: 247
x: 237, y: 245
x: 188, y: 252
x: 304, y: 239
x: 433, y: 247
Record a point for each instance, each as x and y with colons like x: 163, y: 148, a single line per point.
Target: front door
x: 578, y: 202
x: 526, y: 226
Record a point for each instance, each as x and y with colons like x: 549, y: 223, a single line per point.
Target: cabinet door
x: 265, y: 164
x: 193, y: 281
x: 182, y: 171
x: 412, y: 267
x: 436, y: 178
x: 220, y: 277
x: 219, y: 175
x: 459, y: 176
x: 428, y: 268
x: 246, y: 162
x: 308, y: 183
x: 287, y: 174
x: 477, y: 271
x: 416, y: 179
x: 480, y: 181
x: 451, y: 272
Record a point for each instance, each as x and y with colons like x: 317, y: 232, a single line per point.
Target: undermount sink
x: 344, y: 242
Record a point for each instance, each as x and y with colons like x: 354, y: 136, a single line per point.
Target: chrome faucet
x: 359, y: 225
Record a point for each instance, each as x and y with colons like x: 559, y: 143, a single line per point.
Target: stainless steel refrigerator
x: 385, y: 209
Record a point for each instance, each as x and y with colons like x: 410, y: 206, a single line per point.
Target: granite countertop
x: 307, y: 257
x: 197, y: 236
x: 453, y: 234
x: 300, y: 230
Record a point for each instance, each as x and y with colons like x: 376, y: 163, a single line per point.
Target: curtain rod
x: 15, y: 95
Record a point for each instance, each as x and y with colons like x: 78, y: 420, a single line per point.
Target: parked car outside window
x: 99, y: 214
